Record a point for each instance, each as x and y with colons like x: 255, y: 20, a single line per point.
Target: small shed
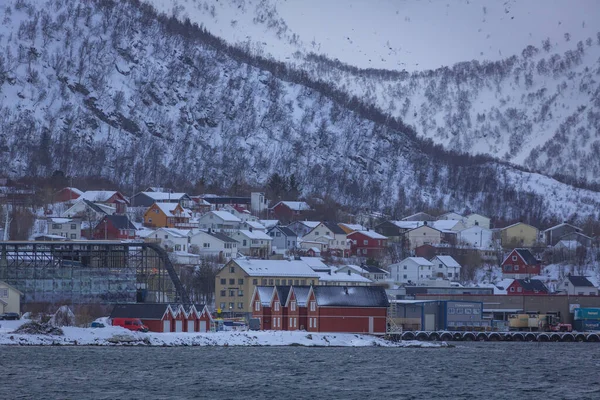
x: 198, y: 318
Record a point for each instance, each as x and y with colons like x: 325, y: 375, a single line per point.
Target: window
x: 223, y: 281
x: 405, y: 267
x: 514, y: 258
x: 314, y: 322
x: 56, y: 226
x: 278, y: 234
x: 73, y: 226
x: 240, y: 293
x: 240, y: 281
x: 241, y: 306
x: 73, y: 236
x: 519, y: 289
x: 316, y: 233
x: 512, y: 289
x: 440, y: 265
x: 449, y: 274
x: 232, y: 270
x: 222, y: 306
x: 255, y: 282
x: 310, y: 322
x: 271, y: 282
x: 296, y: 282
x: 4, y: 292
x: 313, y: 306
x: 264, y: 282
x: 223, y: 293
x: 404, y: 276
x: 231, y: 306
x: 516, y: 267
x: 276, y: 306
x: 303, y: 282
x: 231, y: 292
x: 244, y: 243
x: 291, y: 322
x: 257, y: 306
x: 293, y: 306
x: 206, y: 245
x: 232, y: 281
x: 365, y: 242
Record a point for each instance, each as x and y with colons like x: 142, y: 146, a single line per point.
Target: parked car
x: 97, y: 324
x: 133, y: 324
x: 10, y: 316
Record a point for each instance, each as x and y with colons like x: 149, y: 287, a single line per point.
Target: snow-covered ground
x: 113, y: 335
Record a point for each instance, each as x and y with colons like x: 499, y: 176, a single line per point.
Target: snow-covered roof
x: 503, y: 285
x: 420, y: 261
x: 269, y: 223
x: 276, y: 268
x: 353, y: 296
x: 561, y: 225
x: 448, y: 261
x: 57, y: 220
x: 164, y: 196
x: 255, y: 225
x: 98, y: 195
x: 315, y: 262
x: 180, y: 233
x: 444, y: 224
x: 342, y: 277
x: 255, y: 235
x: 353, y: 227
x: 569, y: 244
x: 226, y: 216
x: 168, y: 209
x: 294, y: 205
x: 407, y: 224
x: 265, y: 293
x: 369, y: 234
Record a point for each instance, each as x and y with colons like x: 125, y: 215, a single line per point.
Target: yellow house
x: 167, y: 215
x: 235, y: 282
x: 519, y: 235
x: 10, y: 299
x: 424, y: 234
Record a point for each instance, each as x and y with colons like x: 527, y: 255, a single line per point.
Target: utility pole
x: 7, y: 222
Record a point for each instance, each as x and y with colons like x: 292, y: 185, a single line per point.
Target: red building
x: 356, y: 309
x: 200, y: 317
x: 368, y: 244
x: 67, y: 194
x: 261, y: 306
x: 279, y: 312
x: 521, y: 287
x: 114, y: 227
x: 296, y: 306
x: 290, y: 210
x: 157, y: 317
x: 520, y: 263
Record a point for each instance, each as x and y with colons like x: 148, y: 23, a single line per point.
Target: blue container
x: 590, y: 314
x: 583, y: 325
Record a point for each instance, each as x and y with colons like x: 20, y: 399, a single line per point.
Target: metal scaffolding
x: 85, y: 272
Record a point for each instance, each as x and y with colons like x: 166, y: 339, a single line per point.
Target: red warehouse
x: 261, y: 306
x: 290, y: 210
x: 520, y: 263
x: 199, y: 319
x: 157, y: 317
x: 296, y: 308
x: 355, y: 309
x: 526, y: 287
x: 368, y: 244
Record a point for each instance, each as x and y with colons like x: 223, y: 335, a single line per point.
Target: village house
x: 284, y: 239
x: 171, y: 238
x: 107, y: 197
x: 475, y: 219
x: 253, y: 225
x: 168, y: 215
x: 446, y: 267
x: 220, y: 221
x: 349, y: 228
x: 584, y: 240
x: 577, y: 286
x: 520, y: 264
x: 10, y: 299
x: 147, y: 198
x: 219, y: 202
x: 518, y: 235
x: 476, y: 236
x: 368, y: 244
x: 279, y: 313
x: 242, y: 213
x: 235, y: 282
x: 301, y: 228
x: 450, y: 215
x: 420, y: 216
x: 424, y: 234
x: 253, y: 243
x: 521, y: 287
x: 216, y: 244
x: 114, y: 227
x: 358, y: 309
x: 370, y: 272
x: 556, y: 233
x: 395, y: 230
x: 261, y: 302
x: 67, y: 195
x: 332, y: 237
x: 290, y: 210
x: 69, y: 228
x: 87, y: 210
x: 411, y: 270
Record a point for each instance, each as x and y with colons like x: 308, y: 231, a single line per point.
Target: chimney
x: 250, y: 228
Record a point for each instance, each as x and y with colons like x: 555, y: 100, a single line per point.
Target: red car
x: 133, y: 324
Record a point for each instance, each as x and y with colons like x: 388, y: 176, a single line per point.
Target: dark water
x: 469, y: 371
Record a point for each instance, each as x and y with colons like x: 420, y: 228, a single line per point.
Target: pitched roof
x: 561, y: 225
x: 283, y: 293
x: 369, y: 234
x: 168, y: 209
x: 269, y: 223
x: 294, y: 205
x: 226, y: 216
x: 532, y: 285
x: 93, y: 206
x: 580, y: 281
x: 164, y: 196
x: 180, y: 233
x: 142, y: 311
x: 301, y: 293
x: 517, y: 223
x: 527, y: 256
x: 98, y: 195
x: 353, y: 296
x: 120, y: 221
x: 221, y: 236
x: 275, y: 268
x: 265, y: 293
x: 342, y: 277
x: 255, y: 225
x: 256, y: 235
x: 353, y: 227
x: 420, y: 261
x: 448, y: 261
x: 374, y: 270
x: 334, y: 228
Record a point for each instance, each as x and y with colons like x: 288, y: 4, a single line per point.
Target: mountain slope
x: 530, y: 96
x: 111, y: 89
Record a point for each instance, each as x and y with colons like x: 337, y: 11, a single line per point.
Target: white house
x: 210, y: 243
x: 475, y: 219
x: 301, y: 228
x: 69, y: 228
x: 284, y: 239
x: 253, y: 243
x: 10, y: 299
x: 424, y: 234
x: 86, y: 209
x: 331, y: 234
x: 254, y: 225
x: 220, y: 221
x: 476, y: 236
x: 446, y: 267
x: 577, y: 286
x: 373, y: 273
x: 411, y: 269
x: 242, y: 213
x: 172, y: 238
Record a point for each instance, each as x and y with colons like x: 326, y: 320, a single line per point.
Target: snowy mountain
x: 514, y: 80
x: 112, y: 89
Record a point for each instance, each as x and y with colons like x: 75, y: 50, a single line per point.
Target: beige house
x: 475, y: 219
x: 10, y: 299
x: 424, y: 234
x: 235, y: 282
x: 519, y: 235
